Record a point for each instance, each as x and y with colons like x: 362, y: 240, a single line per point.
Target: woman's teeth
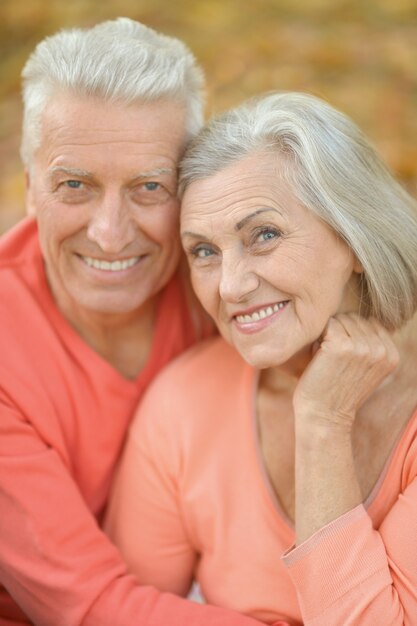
x: 261, y: 314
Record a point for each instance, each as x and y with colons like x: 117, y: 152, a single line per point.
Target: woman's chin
x: 266, y: 357
x: 261, y: 358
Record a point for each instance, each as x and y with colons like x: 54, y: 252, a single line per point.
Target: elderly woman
x: 277, y: 464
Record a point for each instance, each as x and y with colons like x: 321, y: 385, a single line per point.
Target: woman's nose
x: 237, y: 279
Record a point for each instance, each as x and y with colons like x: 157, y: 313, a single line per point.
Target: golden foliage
x: 361, y: 56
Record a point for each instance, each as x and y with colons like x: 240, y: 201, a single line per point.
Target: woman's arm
x: 348, y: 574
x: 345, y: 572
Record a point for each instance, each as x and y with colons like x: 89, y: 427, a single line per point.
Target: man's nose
x: 111, y: 225
x: 238, y: 280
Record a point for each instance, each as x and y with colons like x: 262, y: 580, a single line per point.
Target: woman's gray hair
x: 336, y: 173
x: 118, y: 60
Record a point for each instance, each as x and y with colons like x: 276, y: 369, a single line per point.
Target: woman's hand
x: 352, y: 358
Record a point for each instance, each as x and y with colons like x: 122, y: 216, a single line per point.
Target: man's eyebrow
x: 75, y: 171
x: 70, y: 171
x: 155, y: 173
x: 246, y: 219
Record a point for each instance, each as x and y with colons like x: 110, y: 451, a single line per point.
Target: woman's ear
x: 357, y: 266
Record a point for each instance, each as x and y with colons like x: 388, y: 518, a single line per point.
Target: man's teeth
x: 261, y: 314
x: 111, y: 266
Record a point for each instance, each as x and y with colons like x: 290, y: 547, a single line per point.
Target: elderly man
x: 93, y: 306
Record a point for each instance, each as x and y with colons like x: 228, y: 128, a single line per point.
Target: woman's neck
x: 283, y: 379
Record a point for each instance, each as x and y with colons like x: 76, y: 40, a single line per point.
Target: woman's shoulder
x: 207, y: 362
x: 192, y: 396
x: 210, y: 373
x: 401, y: 395
x: 403, y: 390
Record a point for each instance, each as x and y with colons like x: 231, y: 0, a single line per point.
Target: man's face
x: 102, y: 186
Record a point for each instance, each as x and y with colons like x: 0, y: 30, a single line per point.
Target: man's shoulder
x: 26, y: 334
x: 19, y: 243
x: 20, y: 274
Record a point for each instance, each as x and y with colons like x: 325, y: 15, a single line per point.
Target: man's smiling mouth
x: 111, y: 266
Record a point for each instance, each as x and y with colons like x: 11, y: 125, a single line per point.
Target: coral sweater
x: 64, y: 412
x: 192, y: 497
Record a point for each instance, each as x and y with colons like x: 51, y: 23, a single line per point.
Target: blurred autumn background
x: 359, y: 55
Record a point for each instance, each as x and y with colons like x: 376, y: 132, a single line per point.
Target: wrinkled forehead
x: 75, y: 130
x: 80, y: 111
x: 259, y: 179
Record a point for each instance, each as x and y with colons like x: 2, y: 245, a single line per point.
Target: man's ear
x: 30, y: 205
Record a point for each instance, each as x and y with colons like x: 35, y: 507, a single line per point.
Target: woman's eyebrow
x: 188, y: 233
x: 246, y: 219
x: 238, y: 226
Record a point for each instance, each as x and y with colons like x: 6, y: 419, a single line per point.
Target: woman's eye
x: 267, y: 234
x: 201, y: 252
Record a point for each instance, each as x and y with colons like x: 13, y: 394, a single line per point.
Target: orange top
x: 64, y: 412
x: 192, y: 497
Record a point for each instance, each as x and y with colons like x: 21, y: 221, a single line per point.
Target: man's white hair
x: 119, y: 60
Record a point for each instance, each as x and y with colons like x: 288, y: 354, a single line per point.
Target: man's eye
x: 150, y: 193
x: 151, y: 186
x: 73, y: 184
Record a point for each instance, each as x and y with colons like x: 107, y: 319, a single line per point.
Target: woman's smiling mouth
x: 260, y: 314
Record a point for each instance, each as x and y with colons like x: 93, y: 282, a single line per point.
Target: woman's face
x: 267, y: 270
